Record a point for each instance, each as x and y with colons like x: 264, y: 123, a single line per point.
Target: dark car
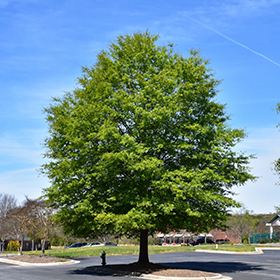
x: 109, y: 244
x: 222, y: 241
x: 198, y: 241
x: 76, y: 245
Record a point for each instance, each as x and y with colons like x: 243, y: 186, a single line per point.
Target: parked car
x: 198, y: 241
x: 222, y: 241
x: 76, y: 245
x: 109, y: 244
x: 91, y: 244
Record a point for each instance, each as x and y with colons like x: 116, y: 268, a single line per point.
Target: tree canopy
x: 142, y: 145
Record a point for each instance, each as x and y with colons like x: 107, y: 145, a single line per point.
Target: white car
x: 91, y: 244
x: 96, y: 244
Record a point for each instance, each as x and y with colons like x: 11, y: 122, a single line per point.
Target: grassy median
x: 134, y: 250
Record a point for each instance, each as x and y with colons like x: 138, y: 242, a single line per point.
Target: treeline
x: 32, y: 218
x: 241, y: 224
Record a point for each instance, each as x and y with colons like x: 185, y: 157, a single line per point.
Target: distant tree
x: 7, y: 202
x: 277, y: 209
x: 19, y: 223
x: 241, y: 224
x: 40, y: 219
x: 262, y: 220
x: 142, y: 145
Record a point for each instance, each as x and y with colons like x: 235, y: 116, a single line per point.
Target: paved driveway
x: 239, y: 267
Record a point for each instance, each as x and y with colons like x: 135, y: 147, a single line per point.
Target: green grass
x: 227, y: 247
x: 110, y: 251
x: 134, y: 250
x: 9, y: 252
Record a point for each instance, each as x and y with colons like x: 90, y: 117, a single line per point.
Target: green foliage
x: 55, y: 240
x: 245, y: 239
x: 12, y: 246
x: 142, y: 144
x: 60, y: 240
x: 277, y: 209
x: 266, y: 240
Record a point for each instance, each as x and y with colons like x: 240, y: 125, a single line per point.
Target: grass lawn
x: 134, y: 250
x: 232, y: 248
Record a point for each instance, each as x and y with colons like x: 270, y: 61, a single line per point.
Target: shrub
x: 55, y: 241
x: 154, y: 243
x: 244, y: 239
x: 265, y: 240
x: 12, y: 246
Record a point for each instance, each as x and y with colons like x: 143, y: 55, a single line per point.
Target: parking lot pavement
x: 239, y: 267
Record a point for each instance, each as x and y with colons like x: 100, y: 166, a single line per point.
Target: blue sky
x: 43, y: 45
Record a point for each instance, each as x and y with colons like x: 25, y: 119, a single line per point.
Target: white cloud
x: 6, y: 3
x: 24, y: 147
x: 261, y: 196
x: 239, y: 8
x: 21, y: 183
x: 228, y: 14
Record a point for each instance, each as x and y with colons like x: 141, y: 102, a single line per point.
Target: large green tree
x: 141, y: 145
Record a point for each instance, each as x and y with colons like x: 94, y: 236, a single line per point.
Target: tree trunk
x: 43, y: 242
x: 143, y: 254
x: 21, y: 244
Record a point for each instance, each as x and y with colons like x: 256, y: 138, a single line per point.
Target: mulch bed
x: 157, y: 269
x: 36, y: 259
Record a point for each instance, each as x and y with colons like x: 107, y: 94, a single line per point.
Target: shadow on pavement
x: 214, y: 267
x: 102, y: 271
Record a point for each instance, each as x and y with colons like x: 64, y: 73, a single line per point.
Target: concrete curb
x: 269, y: 248
x: 258, y: 251
x: 144, y: 276
x: 4, y: 260
x: 156, y: 277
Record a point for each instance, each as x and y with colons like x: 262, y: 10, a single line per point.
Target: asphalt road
x: 242, y: 267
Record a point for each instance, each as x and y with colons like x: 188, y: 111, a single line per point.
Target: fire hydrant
x: 103, y: 257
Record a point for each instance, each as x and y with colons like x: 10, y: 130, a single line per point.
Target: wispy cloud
x: 235, y: 42
x: 226, y: 10
x: 24, y: 149
x: 23, y: 182
x: 5, y: 3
